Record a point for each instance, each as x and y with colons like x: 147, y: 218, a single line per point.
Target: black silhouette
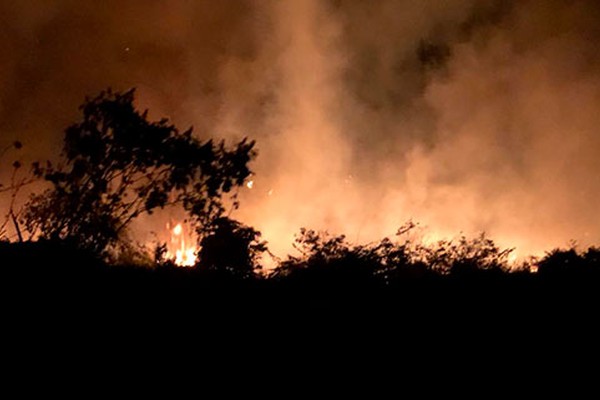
x: 119, y: 165
x: 232, y: 248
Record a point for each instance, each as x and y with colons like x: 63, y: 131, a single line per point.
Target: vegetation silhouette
x: 232, y: 248
x: 118, y: 165
x: 15, y: 185
x: 391, y: 261
x: 569, y: 264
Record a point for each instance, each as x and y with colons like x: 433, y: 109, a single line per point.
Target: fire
x: 533, y: 269
x: 185, y: 257
x: 177, y: 230
x: 181, y: 248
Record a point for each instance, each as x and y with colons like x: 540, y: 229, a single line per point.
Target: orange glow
x: 533, y: 269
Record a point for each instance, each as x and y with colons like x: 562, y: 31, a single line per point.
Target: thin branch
x: 17, y: 229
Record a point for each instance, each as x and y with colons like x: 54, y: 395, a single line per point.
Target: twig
x: 17, y: 229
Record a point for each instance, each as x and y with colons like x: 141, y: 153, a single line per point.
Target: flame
x: 177, y: 230
x: 181, y: 248
x: 185, y: 257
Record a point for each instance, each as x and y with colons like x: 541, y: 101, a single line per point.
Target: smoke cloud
x: 463, y: 115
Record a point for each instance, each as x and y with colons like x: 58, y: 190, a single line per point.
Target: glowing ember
x: 533, y: 269
x: 181, y: 248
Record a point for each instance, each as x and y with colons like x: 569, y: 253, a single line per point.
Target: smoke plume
x: 463, y: 115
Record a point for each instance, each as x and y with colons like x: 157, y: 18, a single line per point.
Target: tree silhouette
x: 118, y: 165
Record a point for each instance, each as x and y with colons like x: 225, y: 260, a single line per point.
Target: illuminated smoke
x: 464, y: 115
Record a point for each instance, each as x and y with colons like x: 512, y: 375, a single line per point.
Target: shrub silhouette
x: 464, y: 257
x: 568, y: 263
x: 231, y: 248
x: 329, y: 261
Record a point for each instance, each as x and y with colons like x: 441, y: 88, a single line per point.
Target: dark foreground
x: 54, y: 279
x: 61, y: 307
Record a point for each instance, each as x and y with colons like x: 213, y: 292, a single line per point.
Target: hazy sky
x: 464, y: 115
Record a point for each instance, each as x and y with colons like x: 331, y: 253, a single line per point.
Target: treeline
x: 116, y: 165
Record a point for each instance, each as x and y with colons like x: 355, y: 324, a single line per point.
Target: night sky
x: 463, y: 115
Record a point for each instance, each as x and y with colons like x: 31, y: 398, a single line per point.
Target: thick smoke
x: 464, y: 115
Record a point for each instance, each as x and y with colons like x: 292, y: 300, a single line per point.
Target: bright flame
x: 185, y: 258
x: 177, y: 230
x: 181, y: 248
x: 533, y: 269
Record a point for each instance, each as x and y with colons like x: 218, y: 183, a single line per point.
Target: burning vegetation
x: 182, y: 248
x: 117, y: 166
